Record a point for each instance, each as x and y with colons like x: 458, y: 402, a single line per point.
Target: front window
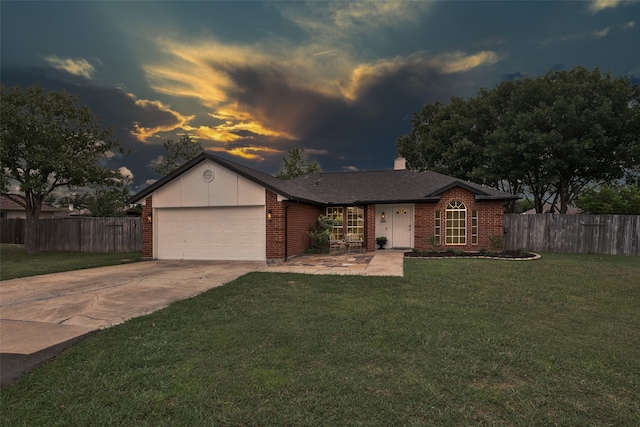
x: 437, y: 229
x: 474, y: 227
x: 355, y: 222
x: 456, y: 223
x: 352, y: 223
x: 336, y: 215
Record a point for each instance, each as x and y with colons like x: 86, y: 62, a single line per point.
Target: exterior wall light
x: 150, y: 216
x: 383, y: 218
x: 269, y: 215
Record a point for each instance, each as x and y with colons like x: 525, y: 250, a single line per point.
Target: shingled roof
x: 346, y: 188
x: 388, y: 186
x: 6, y: 204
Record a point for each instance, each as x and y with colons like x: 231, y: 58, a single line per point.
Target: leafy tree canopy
x: 97, y: 201
x: 178, y: 152
x: 50, y: 141
x: 548, y: 137
x: 610, y: 199
x: 296, y: 163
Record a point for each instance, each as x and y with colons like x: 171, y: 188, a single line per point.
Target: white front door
x: 402, y: 226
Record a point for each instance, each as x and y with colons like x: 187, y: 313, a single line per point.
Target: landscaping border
x: 533, y: 256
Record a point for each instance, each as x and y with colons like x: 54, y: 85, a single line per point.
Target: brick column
x: 147, y: 229
x: 275, y: 227
x: 370, y: 231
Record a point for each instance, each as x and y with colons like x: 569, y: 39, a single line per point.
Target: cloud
x: 266, y: 94
x: 581, y: 36
x: 156, y: 161
x: 125, y: 172
x: 315, y: 151
x: 630, y: 25
x: 454, y: 62
x: 600, y: 5
x: 601, y: 33
x: 76, y: 66
x: 331, y: 22
x: 275, y: 93
x: 144, y: 129
x: 248, y: 152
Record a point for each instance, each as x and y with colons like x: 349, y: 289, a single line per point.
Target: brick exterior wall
x: 490, y: 220
x: 370, y: 228
x: 300, y: 219
x: 147, y: 229
x: 275, y: 226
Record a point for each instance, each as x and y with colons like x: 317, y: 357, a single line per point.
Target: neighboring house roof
x: 345, y: 188
x: 6, y: 204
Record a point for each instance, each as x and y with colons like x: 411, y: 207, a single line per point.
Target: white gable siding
x: 226, y: 189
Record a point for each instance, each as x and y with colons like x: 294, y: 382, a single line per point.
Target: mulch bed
x: 502, y: 255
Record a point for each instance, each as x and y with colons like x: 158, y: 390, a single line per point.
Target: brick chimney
x: 399, y: 163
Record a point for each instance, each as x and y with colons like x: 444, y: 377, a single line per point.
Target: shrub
x: 496, y: 242
x: 433, y: 240
x: 321, y: 231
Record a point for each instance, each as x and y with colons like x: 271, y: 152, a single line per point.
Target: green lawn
x: 455, y: 342
x: 16, y: 262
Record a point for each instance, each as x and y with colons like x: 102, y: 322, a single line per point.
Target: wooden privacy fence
x: 12, y: 230
x: 584, y: 234
x: 103, y: 235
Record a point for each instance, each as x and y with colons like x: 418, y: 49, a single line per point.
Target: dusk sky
x: 251, y: 80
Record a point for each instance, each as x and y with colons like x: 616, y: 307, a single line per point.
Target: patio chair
x: 353, y: 241
x: 336, y: 245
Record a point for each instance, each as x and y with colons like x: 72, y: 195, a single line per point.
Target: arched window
x: 456, y: 223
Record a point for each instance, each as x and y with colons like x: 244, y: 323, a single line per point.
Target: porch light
x: 150, y: 216
x: 269, y: 215
x: 383, y: 217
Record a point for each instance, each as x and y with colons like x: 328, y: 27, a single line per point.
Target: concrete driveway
x: 42, y: 315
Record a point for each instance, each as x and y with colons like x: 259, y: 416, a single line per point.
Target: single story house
x: 10, y: 209
x: 211, y: 208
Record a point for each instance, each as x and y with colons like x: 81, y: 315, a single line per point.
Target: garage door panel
x: 220, y: 233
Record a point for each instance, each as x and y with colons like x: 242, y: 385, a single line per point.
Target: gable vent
x: 208, y: 175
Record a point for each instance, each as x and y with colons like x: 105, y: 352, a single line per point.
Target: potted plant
x: 381, y: 241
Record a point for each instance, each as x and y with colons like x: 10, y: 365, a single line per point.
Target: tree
x: 296, y: 163
x: 548, y: 137
x: 178, y: 153
x: 50, y: 141
x: 108, y: 201
x: 610, y: 199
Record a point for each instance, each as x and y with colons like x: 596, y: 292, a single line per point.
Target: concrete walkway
x: 379, y: 263
x: 41, y: 316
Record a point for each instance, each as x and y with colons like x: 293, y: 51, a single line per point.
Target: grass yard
x: 16, y: 262
x: 455, y: 342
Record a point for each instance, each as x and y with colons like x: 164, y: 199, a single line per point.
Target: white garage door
x: 220, y: 233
